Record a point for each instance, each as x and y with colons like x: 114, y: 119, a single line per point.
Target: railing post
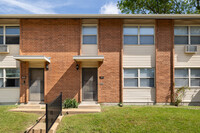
x: 46, y: 118
x: 61, y: 103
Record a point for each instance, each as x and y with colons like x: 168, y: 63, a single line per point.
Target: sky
x: 59, y: 7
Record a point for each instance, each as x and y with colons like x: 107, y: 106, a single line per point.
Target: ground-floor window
x: 187, y: 77
x: 9, y: 77
x: 143, y: 77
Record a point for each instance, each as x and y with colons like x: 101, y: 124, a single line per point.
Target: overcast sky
x: 58, y: 7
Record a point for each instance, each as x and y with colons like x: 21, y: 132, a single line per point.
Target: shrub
x: 70, y: 103
x: 179, y: 94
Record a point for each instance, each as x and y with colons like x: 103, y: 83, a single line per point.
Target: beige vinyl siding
x: 186, y: 22
x: 89, y: 49
x: 6, y: 60
x: 186, y: 60
x: 89, y: 21
x: 139, y: 56
x: 192, y: 95
x: 137, y: 95
x: 139, y: 21
x: 9, y: 95
x: 89, y: 64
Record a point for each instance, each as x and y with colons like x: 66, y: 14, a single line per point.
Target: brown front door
x: 36, y: 84
x: 89, y: 84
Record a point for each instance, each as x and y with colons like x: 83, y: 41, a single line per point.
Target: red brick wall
x: 60, y: 40
x: 164, y: 60
x: 110, y: 39
x: 24, y: 82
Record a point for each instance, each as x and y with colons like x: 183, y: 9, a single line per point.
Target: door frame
x: 29, y: 81
x: 81, y: 82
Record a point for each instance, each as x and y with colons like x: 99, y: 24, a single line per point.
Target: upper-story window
x: 138, y: 35
x: 9, y: 34
x: 187, y: 35
x: 89, y: 35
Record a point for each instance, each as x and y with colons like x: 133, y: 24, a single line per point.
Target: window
x: 143, y: 77
x: 186, y: 35
x: 9, y: 77
x: 9, y: 34
x: 89, y: 34
x: 187, y: 77
x: 138, y: 35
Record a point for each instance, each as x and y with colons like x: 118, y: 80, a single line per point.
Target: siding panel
x: 89, y: 50
x: 9, y: 95
x: 186, y: 60
x: 139, y: 95
x: 192, y: 95
x: 139, y: 56
x: 6, y: 60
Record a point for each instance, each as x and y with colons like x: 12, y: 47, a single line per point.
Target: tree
x: 159, y: 6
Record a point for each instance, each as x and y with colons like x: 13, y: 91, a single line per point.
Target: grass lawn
x: 135, y: 119
x: 15, y: 122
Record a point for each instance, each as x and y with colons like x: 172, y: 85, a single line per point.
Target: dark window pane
x: 1, y: 30
x: 1, y: 39
x: 195, y: 39
x: 12, y: 39
x: 181, y: 72
x: 195, y: 82
x: 180, y: 30
x: 195, y: 30
x: 146, y: 39
x: 12, y: 82
x: 130, y: 73
x: 147, y: 72
x: 129, y: 30
x: 12, y: 30
x: 88, y: 30
x: 180, y: 82
x: 146, y: 30
x: 1, y: 82
x: 90, y: 39
x: 12, y: 72
x: 130, y: 82
x: 130, y: 39
x: 147, y: 82
x: 181, y: 40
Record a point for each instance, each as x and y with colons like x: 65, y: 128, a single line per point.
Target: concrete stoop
x: 41, y: 126
x: 89, y: 105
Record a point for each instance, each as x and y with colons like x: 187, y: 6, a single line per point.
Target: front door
x: 36, y: 84
x: 89, y: 84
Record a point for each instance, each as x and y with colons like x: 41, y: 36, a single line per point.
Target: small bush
x: 70, y: 103
x: 179, y: 94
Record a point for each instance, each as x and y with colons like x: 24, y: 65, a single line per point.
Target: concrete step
x: 43, y: 120
x: 37, y: 111
x: 89, y: 106
x: 32, y: 106
x: 41, y: 126
x: 80, y: 111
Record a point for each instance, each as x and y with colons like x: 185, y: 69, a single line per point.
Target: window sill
x: 9, y: 87
x: 138, y: 87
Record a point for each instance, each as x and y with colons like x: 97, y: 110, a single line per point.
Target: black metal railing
x: 53, y: 110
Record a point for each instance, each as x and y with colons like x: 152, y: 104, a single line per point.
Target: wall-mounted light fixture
x: 77, y: 66
x: 47, y: 66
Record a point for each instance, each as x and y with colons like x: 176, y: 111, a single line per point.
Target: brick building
x: 135, y: 59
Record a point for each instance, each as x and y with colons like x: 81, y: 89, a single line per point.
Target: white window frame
x: 138, y: 26
x: 4, y: 33
x: 189, y: 34
x: 5, y: 78
x: 138, y: 77
x: 189, y: 77
x: 89, y: 25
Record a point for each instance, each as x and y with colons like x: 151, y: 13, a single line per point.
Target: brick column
x: 110, y: 39
x: 24, y: 82
x: 164, y: 60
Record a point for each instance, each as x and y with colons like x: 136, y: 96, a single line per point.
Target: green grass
x: 15, y: 122
x: 133, y: 119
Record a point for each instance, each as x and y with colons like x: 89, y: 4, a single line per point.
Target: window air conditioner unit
x: 190, y: 49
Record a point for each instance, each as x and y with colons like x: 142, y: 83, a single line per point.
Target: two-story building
x: 135, y: 59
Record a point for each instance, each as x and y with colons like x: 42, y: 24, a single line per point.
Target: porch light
x: 77, y: 66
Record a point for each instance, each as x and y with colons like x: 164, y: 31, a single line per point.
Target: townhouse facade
x: 134, y: 59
